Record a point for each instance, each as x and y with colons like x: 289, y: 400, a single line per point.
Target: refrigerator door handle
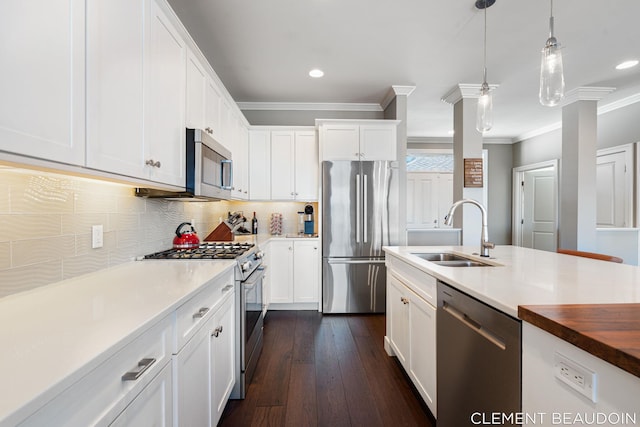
x: 358, y: 206
x: 354, y: 261
x: 365, y: 218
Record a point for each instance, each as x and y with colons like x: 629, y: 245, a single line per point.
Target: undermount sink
x: 450, y: 260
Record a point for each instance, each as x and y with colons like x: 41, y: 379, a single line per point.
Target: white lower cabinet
x: 139, y: 374
x: 294, y: 274
x: 153, y: 406
x: 204, y: 366
x: 222, y: 357
x: 411, y: 333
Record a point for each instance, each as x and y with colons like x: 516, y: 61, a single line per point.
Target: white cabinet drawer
x: 417, y: 280
x: 194, y: 313
x: 102, y: 394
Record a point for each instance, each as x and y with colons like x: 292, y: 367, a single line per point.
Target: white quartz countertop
x: 52, y: 336
x: 530, y: 277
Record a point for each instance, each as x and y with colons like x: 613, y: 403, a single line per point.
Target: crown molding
x: 612, y: 106
x: 308, y: 106
x: 464, y: 91
x: 396, y: 90
x: 586, y: 93
x: 621, y: 103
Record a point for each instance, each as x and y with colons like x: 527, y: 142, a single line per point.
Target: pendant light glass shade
x: 484, y: 114
x: 551, y: 70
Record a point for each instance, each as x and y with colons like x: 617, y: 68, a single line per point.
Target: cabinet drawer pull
x: 226, y: 288
x: 143, y: 365
x: 201, y: 313
x: 217, y: 331
x: 153, y: 163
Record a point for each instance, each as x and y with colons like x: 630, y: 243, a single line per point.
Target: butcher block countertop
x: 608, y: 331
x: 592, y: 304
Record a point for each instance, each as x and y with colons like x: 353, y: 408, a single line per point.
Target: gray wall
x: 499, y: 192
x: 615, y: 128
x: 303, y: 118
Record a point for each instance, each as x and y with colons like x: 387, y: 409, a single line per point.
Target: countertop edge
x: 533, y: 314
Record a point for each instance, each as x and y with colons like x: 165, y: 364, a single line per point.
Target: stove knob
x: 246, y: 266
x: 259, y: 255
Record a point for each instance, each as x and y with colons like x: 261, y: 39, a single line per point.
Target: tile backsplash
x: 46, y: 220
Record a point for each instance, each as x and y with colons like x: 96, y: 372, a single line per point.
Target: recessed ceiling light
x: 627, y: 64
x: 316, y: 73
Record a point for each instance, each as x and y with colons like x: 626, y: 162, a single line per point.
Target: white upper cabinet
x: 213, y: 99
x: 282, y: 155
x: 115, y: 85
x: 306, y: 166
x: 136, y: 80
x: 358, y: 140
x: 293, y: 168
x: 42, y: 58
x: 196, y: 92
x: 259, y: 165
x: 240, y: 188
x: 165, y: 101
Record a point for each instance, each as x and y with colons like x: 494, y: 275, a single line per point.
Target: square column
x: 467, y: 144
x: 577, y: 228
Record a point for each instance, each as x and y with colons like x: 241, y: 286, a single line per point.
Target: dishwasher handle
x: 474, y: 326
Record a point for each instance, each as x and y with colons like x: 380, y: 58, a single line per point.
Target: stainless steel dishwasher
x: 478, y: 361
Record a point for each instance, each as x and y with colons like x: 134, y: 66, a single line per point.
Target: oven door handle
x: 255, y: 277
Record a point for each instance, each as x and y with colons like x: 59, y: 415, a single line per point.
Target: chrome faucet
x: 485, y: 244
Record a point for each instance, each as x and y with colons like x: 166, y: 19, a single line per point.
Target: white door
x: 115, y: 86
x: 306, y: 166
x: 429, y: 196
x: 42, y: 89
x: 611, y: 190
x: 192, y: 378
x: 153, y: 406
x: 306, y: 271
x: 378, y: 142
x: 165, y: 95
x: 340, y: 142
x: 282, y: 165
x: 222, y: 353
x: 281, y: 271
x: 539, y: 207
x: 259, y: 165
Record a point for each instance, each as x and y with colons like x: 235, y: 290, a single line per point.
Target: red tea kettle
x: 185, y: 239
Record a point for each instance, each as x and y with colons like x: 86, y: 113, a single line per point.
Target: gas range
x: 206, y: 250
x: 247, y: 255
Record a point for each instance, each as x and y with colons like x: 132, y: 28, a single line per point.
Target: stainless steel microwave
x: 209, y: 171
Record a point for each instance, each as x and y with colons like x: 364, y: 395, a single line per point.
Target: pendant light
x: 551, y: 71
x: 484, y: 115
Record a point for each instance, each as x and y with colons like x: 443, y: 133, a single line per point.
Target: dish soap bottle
x: 254, y: 224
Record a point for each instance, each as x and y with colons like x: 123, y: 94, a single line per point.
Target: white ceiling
x: 262, y: 51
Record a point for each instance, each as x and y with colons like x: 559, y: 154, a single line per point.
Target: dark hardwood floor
x: 328, y: 370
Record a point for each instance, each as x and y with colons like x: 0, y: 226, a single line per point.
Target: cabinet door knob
x: 153, y: 163
x: 404, y: 300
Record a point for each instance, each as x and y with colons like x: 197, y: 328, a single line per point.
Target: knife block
x: 222, y: 233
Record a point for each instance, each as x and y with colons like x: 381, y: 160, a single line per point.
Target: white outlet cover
x: 578, y: 377
x: 97, y: 236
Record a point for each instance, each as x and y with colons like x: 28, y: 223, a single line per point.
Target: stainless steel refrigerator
x: 355, y: 226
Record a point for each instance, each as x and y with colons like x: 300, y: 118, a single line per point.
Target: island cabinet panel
x: 42, y: 57
x: 547, y: 400
x: 411, y: 326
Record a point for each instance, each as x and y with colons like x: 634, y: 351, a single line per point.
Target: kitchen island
x: 525, y: 277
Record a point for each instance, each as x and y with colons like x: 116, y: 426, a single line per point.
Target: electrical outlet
x: 576, y: 376
x: 97, y: 236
